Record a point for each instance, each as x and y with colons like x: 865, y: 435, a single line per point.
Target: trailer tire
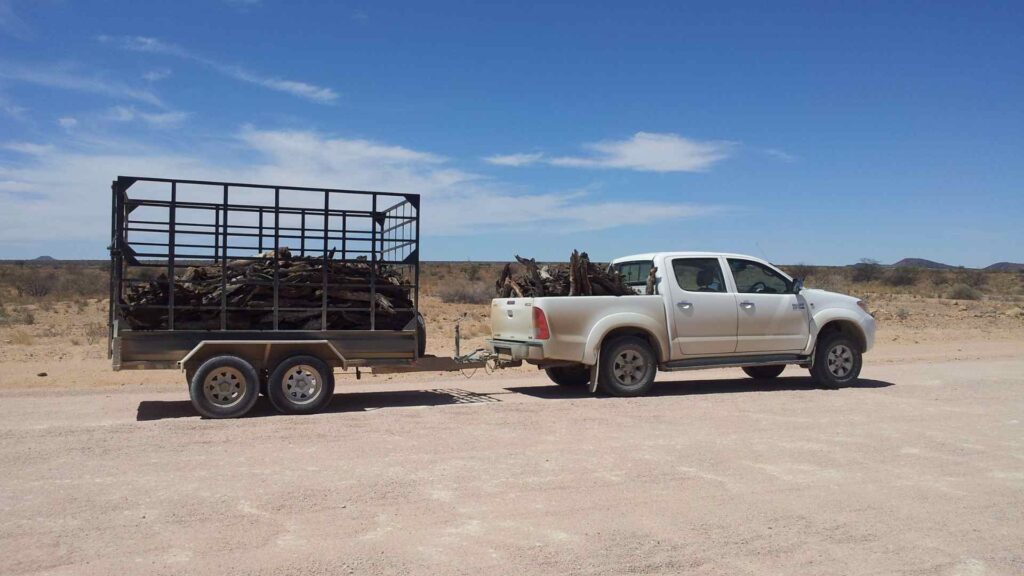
x: 421, y: 336
x: 628, y: 367
x: 576, y: 375
x: 224, y: 387
x: 301, y: 385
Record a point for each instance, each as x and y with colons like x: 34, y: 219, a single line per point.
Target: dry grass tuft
x: 22, y: 338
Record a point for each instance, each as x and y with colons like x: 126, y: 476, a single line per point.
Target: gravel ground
x: 918, y: 471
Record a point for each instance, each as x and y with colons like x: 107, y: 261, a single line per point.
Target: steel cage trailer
x: 161, y: 227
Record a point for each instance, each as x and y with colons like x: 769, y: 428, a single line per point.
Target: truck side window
x: 756, y: 278
x: 698, y: 274
x: 634, y: 273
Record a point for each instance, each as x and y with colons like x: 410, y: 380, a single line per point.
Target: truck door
x: 704, y: 312
x: 771, y: 317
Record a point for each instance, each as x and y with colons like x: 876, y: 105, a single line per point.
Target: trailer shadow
x: 346, y: 402
x: 697, y: 387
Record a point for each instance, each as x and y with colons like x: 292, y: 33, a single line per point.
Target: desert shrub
x: 22, y: 338
x: 938, y: 278
x: 465, y: 292
x: 963, y: 292
x: 473, y: 272
x: 35, y: 283
x: 866, y: 270
x: 972, y: 278
x: 900, y: 276
x: 802, y: 271
x: 903, y: 313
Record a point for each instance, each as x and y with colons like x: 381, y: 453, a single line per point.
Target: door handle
x: 683, y: 305
x: 747, y: 305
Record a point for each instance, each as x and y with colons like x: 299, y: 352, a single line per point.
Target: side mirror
x: 798, y: 285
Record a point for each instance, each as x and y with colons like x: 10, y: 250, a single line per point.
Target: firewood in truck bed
x: 580, y: 277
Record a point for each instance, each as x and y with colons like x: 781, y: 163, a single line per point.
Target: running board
x: 734, y: 362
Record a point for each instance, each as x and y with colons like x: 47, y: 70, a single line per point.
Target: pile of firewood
x: 249, y: 286
x: 580, y: 277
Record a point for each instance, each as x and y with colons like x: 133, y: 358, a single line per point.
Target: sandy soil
x: 918, y: 470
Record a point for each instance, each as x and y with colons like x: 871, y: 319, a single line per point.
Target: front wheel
x: 628, y: 367
x: 837, y: 361
x: 577, y: 375
x: 301, y: 385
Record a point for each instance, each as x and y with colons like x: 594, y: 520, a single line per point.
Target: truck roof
x: 654, y: 255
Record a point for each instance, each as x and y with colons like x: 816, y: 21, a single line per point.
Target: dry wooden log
x: 652, y: 279
x: 580, y: 277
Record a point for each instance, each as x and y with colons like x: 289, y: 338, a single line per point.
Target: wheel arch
x: 262, y: 354
x: 846, y: 327
x: 617, y: 326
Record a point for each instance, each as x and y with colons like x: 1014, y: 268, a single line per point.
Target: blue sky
x: 818, y: 132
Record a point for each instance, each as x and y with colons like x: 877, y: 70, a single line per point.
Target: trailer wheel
x: 224, y: 387
x: 301, y: 385
x: 628, y: 367
x: 421, y: 335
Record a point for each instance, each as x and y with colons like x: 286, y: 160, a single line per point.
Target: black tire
x: 224, y: 387
x: 628, y: 367
x: 301, y: 385
x: 577, y: 375
x: 421, y: 335
x: 837, y: 361
x: 764, y: 372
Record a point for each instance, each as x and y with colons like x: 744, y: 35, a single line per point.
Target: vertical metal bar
x: 323, y: 288
x: 224, y: 268
x: 261, y: 231
x: 416, y: 264
x: 344, y: 236
x: 302, y: 233
x: 373, y: 265
x: 170, y: 255
x: 115, y: 272
x: 277, y: 249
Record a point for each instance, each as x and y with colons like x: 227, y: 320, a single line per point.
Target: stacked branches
x: 249, y: 288
x: 580, y: 277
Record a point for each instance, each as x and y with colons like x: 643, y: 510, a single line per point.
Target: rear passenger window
x: 698, y: 274
x: 635, y: 273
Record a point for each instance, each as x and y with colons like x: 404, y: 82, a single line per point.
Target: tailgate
x: 512, y: 318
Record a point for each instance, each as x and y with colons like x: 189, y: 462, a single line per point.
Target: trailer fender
x: 263, y: 354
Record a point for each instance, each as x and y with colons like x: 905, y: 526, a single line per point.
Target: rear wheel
x: 421, y: 335
x: 576, y: 375
x: 837, y: 361
x: 224, y: 387
x: 764, y: 372
x: 628, y: 367
x: 301, y: 385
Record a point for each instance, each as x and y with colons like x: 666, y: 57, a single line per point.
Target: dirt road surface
x: 918, y: 471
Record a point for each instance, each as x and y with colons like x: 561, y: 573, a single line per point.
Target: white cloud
x: 67, y: 122
x: 650, y: 152
x: 155, y: 119
x: 29, y: 148
x: 68, y: 188
x: 66, y: 80
x: 522, y: 159
x: 155, y: 46
x: 13, y: 110
x: 780, y: 155
x: 156, y: 75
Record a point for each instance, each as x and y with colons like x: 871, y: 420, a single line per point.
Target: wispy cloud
x: 780, y: 155
x: 156, y: 75
x: 155, y: 46
x: 48, y: 185
x: 68, y: 80
x: 67, y: 122
x: 523, y: 159
x: 10, y: 23
x: 29, y: 147
x: 157, y: 119
x: 11, y: 109
x: 650, y: 152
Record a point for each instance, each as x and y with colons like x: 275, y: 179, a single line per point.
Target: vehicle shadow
x: 696, y: 387
x: 345, y: 402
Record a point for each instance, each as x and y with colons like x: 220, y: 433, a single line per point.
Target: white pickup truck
x: 709, y: 310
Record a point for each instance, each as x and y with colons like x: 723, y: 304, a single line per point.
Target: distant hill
x: 922, y: 263
x: 1005, y: 267
x: 48, y: 258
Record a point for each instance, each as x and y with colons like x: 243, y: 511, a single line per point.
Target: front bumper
x: 516, y: 349
x: 867, y: 326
